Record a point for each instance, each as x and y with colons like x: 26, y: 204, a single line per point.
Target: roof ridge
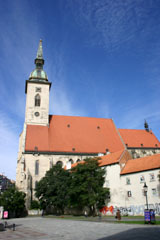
x: 56, y: 115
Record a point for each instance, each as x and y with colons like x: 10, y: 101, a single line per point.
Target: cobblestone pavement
x: 38, y: 228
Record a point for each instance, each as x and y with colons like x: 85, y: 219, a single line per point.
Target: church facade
x: 53, y: 139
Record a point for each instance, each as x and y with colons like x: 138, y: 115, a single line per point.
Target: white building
x: 125, y: 177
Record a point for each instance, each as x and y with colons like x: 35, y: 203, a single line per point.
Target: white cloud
x: 111, y: 23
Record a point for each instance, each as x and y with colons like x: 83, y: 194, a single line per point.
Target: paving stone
x: 38, y: 228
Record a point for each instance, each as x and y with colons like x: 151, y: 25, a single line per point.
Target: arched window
x: 37, y: 100
x: 36, y: 167
x: 59, y: 163
x: 71, y: 161
x: 78, y: 160
x: 36, y: 182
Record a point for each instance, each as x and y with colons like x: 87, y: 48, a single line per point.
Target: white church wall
x: 45, y: 162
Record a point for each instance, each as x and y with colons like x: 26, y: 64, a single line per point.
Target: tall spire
x: 39, y: 61
x: 40, y: 51
x: 38, y: 74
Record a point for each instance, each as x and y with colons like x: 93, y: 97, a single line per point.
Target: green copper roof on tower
x: 38, y: 74
x: 40, y: 51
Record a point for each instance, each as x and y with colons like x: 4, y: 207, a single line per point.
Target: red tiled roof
x: 108, y: 159
x: 134, y: 138
x: 74, y: 134
x: 111, y: 158
x: 142, y: 164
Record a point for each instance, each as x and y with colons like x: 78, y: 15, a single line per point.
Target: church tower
x: 37, y: 93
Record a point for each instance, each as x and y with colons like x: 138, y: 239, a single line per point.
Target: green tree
x: 34, y: 204
x: 13, y: 201
x: 86, y: 186
x: 52, y: 189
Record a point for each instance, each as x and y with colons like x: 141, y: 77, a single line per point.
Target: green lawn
x: 104, y: 219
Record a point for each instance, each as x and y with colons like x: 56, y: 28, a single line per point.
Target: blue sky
x: 102, y: 57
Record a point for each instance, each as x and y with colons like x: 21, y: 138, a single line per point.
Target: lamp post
x: 145, y: 187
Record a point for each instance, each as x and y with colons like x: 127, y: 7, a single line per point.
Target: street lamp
x: 145, y: 187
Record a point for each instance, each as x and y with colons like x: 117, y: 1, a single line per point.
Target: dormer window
x: 37, y: 100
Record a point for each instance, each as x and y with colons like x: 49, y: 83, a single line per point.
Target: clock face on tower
x: 36, y: 114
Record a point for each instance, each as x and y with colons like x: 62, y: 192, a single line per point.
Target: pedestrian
x: 85, y: 213
x: 118, y: 214
x: 42, y: 212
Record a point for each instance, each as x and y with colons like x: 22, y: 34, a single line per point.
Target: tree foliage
x: 80, y: 187
x: 13, y: 201
x: 52, y: 189
x: 34, y: 204
x: 86, y: 187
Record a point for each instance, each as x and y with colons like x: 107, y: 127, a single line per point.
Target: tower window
x: 37, y: 100
x: 36, y: 167
x: 38, y: 89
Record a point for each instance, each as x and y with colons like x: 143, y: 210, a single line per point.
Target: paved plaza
x: 38, y: 228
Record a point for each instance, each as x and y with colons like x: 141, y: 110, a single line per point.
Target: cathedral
x: 47, y: 140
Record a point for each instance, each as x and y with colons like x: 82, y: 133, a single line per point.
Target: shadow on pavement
x: 152, y: 233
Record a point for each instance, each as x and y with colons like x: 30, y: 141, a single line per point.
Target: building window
x: 51, y: 163
x: 36, y: 167
x: 78, y: 160
x: 37, y: 100
x: 71, y: 161
x: 129, y: 193
x: 36, y: 182
x: 38, y: 89
x: 128, y: 181
x: 59, y: 163
x: 152, y: 177
x: 142, y: 179
x: 154, y: 191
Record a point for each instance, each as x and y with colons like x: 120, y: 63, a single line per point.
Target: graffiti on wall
x: 106, y: 209
x: 132, y: 210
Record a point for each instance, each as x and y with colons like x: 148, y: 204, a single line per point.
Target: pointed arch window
x: 36, y: 167
x: 71, y: 161
x: 37, y: 100
x: 59, y: 163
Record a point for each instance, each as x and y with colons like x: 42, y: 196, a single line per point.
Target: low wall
x: 34, y: 212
